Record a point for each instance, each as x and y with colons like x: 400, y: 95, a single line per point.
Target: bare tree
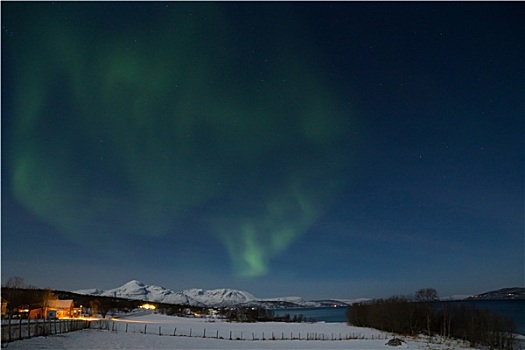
x: 104, y: 306
x: 13, y: 293
x: 426, y: 294
x: 15, y: 282
x: 94, y: 304
x: 47, y: 296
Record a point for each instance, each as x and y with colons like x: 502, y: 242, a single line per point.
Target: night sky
x: 305, y: 148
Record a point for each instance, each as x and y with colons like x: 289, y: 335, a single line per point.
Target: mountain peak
x: 195, y: 297
x: 133, y: 283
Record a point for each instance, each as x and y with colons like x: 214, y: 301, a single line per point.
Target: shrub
x: 403, y: 316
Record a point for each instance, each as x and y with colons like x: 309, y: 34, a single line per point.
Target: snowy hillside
x: 91, y: 291
x: 219, y: 297
x: 196, y: 297
x: 140, y: 291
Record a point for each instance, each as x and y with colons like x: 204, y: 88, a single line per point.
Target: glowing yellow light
x: 148, y: 307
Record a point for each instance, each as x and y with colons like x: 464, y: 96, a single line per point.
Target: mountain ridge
x: 223, y: 297
x: 503, y: 293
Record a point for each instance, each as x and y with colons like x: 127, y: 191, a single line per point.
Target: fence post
x: 9, y: 328
x: 175, y: 331
x: 126, y: 327
x: 204, y: 336
x: 230, y: 335
x: 20, y: 329
x: 217, y: 334
x: 160, y: 333
x: 190, y: 332
x: 145, y: 327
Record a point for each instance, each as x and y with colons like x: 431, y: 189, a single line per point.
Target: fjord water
x: 513, y: 309
x: 317, y: 314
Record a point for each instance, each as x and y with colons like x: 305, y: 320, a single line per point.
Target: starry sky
x: 319, y: 149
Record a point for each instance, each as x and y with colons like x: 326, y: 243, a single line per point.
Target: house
x: 37, y: 312
x: 4, y: 306
x: 64, y: 308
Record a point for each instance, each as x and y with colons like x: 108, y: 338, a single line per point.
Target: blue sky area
x: 319, y: 149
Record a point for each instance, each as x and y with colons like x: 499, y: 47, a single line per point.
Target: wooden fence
x: 23, y: 329
x: 164, y: 330
x: 17, y: 329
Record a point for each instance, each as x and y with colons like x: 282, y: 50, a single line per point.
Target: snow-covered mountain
x: 137, y: 290
x: 91, y: 291
x: 505, y: 293
x: 219, y: 297
x: 196, y: 297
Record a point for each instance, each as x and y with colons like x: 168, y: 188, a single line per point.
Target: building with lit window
x: 64, y: 308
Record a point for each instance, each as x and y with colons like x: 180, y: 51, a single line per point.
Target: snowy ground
x: 116, y: 336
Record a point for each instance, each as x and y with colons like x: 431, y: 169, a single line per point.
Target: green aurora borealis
x: 121, y: 128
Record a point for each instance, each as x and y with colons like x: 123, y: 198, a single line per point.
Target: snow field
x: 116, y: 337
x: 220, y: 329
